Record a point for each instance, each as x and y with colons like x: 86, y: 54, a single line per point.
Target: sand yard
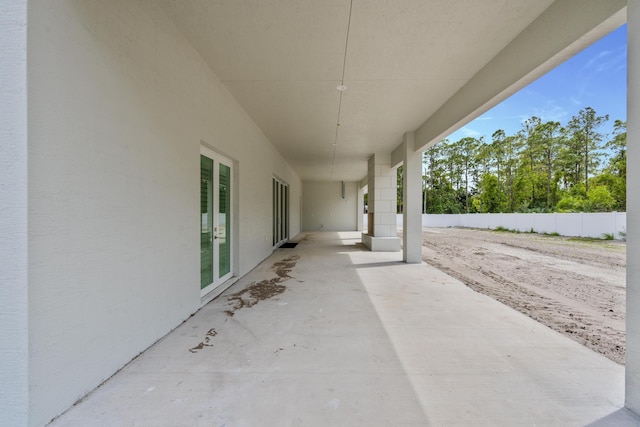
x: 574, y: 286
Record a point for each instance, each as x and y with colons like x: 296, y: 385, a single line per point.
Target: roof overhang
x: 428, y: 66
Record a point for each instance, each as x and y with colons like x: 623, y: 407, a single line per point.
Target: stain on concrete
x: 284, y: 267
x: 265, y: 289
x: 254, y: 293
x: 206, y: 342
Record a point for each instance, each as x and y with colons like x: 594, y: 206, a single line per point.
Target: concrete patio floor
x: 329, y: 334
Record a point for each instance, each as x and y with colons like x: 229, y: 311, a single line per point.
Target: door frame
x: 217, y: 160
x: 280, y: 211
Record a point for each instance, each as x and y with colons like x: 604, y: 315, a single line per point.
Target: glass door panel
x: 206, y: 221
x: 274, y: 211
x: 224, y: 220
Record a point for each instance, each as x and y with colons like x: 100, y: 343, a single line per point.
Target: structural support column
x: 412, y: 201
x: 632, y: 367
x: 360, y: 208
x: 381, y: 234
x: 14, y: 297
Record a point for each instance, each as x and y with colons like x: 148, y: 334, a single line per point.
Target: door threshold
x: 218, y: 290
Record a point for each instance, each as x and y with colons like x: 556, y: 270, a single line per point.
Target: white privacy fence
x: 566, y: 224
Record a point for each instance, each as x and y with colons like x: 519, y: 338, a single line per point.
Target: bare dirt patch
x: 576, y: 287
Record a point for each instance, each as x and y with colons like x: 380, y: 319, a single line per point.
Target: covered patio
x: 329, y: 333
x: 154, y: 156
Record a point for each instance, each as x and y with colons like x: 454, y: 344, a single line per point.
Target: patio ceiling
x: 408, y: 65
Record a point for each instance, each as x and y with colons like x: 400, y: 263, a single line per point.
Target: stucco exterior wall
x: 14, y: 314
x: 119, y: 104
x: 324, y: 209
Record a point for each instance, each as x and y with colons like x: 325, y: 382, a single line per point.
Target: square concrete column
x: 360, y: 209
x: 412, y: 201
x: 14, y: 285
x: 383, y: 183
x: 632, y: 366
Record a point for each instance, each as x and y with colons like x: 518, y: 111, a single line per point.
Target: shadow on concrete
x: 379, y: 264
x: 620, y: 418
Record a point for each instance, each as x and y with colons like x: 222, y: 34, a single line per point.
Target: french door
x: 216, y: 174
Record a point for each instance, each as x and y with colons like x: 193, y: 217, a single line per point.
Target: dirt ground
x: 576, y: 287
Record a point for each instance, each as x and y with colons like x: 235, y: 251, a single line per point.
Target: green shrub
x: 571, y: 204
x: 600, y: 199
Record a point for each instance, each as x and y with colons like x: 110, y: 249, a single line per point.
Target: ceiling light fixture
x: 341, y: 87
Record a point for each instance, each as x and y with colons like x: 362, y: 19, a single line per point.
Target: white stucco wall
x: 119, y: 104
x: 14, y: 314
x: 324, y: 209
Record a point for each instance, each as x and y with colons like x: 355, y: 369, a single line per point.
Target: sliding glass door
x: 280, y: 211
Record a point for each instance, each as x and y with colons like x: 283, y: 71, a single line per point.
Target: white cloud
x: 596, y: 60
x: 468, y: 132
x: 605, y: 60
x: 551, y: 112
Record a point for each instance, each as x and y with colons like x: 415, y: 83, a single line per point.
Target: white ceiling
x: 282, y: 61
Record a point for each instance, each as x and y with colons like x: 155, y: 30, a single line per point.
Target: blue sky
x: 595, y: 77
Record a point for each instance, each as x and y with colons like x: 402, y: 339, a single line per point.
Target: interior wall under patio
x: 329, y: 206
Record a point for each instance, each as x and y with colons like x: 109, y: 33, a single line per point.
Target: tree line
x: 544, y: 167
